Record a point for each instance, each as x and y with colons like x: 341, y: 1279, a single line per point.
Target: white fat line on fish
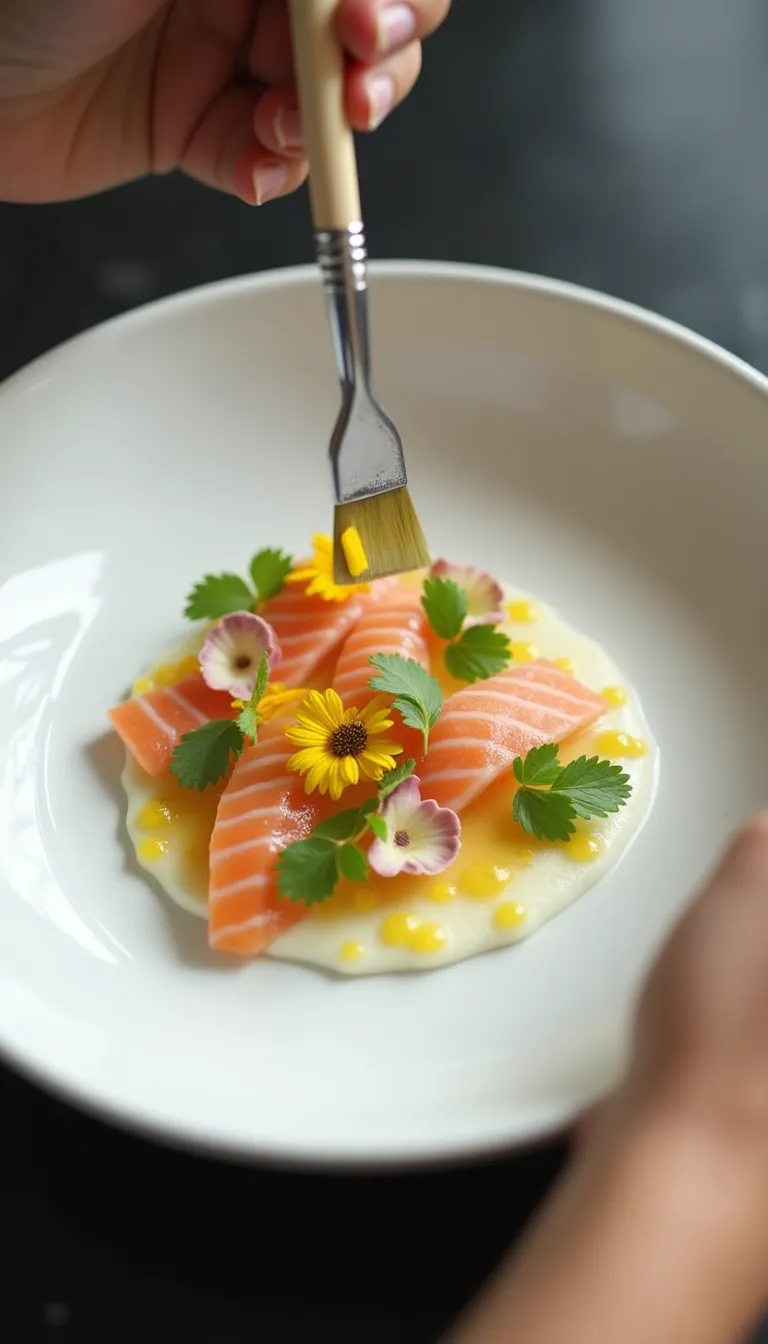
x: 260, y: 921
x: 257, y: 880
x: 221, y: 822
x: 158, y: 720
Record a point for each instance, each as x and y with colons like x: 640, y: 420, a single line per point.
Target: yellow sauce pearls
x: 615, y: 696
x: 584, y: 847
x: 166, y: 674
x: 523, y: 652
x: 405, y: 930
x: 619, y: 746
x: 151, y: 848
x: 509, y: 915
x: 154, y: 816
x: 523, y: 612
x: 351, y: 951
x: 483, y: 881
x: 443, y: 892
x: 566, y: 665
x: 142, y: 686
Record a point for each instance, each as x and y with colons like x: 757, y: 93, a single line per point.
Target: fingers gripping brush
x: 376, y: 530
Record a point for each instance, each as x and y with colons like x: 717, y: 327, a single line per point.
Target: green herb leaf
x: 595, y: 788
x: 418, y: 697
x: 446, y: 605
x: 202, y: 757
x: 269, y: 569
x: 481, y: 652
x: 218, y: 595
x: 248, y: 719
x: 540, y: 767
x: 393, y: 778
x: 307, y: 871
x: 342, y: 827
x: 379, y: 827
x: 548, y: 816
x: 352, y: 863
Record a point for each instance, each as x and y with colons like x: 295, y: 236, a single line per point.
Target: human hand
x: 97, y: 92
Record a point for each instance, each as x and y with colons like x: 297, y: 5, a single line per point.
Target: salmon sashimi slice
x: 152, y: 725
x: 485, y: 726
x: 307, y: 630
x: 395, y: 623
x: 263, y: 808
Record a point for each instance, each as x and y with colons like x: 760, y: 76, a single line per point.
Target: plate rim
x: 137, y: 1118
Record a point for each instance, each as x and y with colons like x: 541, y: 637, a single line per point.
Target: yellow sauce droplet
x: 428, y: 938
x: 165, y: 674
x: 364, y: 900
x: 397, y: 929
x: 155, y: 815
x: 351, y: 951
x: 525, y: 613
x: 143, y: 685
x: 509, y: 915
x: 188, y: 667
x: 354, y: 552
x: 484, y: 880
x: 153, y: 847
x: 620, y: 745
x: 615, y: 695
x: 442, y: 892
x: 524, y: 652
x: 584, y: 848
x: 566, y: 665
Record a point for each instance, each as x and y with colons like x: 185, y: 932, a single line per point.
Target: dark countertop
x: 615, y: 144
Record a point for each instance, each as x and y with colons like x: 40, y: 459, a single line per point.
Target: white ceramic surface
x: 607, y: 461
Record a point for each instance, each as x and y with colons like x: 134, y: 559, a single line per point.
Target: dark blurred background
x: 620, y: 144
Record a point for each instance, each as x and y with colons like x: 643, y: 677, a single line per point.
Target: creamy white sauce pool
x: 503, y: 886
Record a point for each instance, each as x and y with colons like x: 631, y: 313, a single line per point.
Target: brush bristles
x: 389, y: 531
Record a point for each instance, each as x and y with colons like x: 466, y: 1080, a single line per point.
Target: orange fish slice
x: 152, y: 725
x: 263, y: 809
x: 307, y: 629
x: 395, y: 623
x: 485, y: 726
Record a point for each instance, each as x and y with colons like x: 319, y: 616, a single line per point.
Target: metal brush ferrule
x: 343, y: 261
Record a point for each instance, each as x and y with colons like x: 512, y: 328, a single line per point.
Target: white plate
x: 606, y: 460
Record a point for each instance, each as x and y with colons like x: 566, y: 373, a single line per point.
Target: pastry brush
x: 376, y: 530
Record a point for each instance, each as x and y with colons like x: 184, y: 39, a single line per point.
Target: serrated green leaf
x: 481, y: 652
x: 218, y: 595
x: 446, y: 606
x: 595, y: 788
x: 202, y: 757
x: 248, y: 718
x: 393, y: 778
x: 546, y: 815
x: 379, y: 827
x: 307, y: 871
x: 418, y: 697
x: 540, y: 767
x: 269, y: 569
x: 342, y: 827
x: 352, y: 863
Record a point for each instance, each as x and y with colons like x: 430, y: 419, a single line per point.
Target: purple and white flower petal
x: 231, y: 655
x: 485, y: 597
x: 421, y: 837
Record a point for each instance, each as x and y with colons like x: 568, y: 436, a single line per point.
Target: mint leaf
x: 540, y: 767
x: 352, y: 863
x: 393, y: 778
x: 307, y: 871
x: 595, y: 788
x: 548, y: 816
x: 218, y: 595
x: 379, y: 827
x: 269, y: 569
x: 342, y: 827
x: 446, y: 606
x: 418, y: 697
x: 202, y: 757
x: 481, y: 652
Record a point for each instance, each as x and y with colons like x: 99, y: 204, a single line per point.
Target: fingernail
x: 288, y: 131
x: 396, y: 26
x: 268, y: 182
x: 381, y: 98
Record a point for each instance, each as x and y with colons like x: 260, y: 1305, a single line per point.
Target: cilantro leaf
x: 594, y: 787
x: 248, y: 719
x: 393, y: 778
x: 307, y: 871
x: 379, y: 827
x: 547, y: 815
x: 342, y: 827
x: 352, y: 863
x: 481, y: 652
x: 540, y: 767
x: 218, y: 595
x: 202, y: 756
x: 268, y: 570
x: 446, y: 606
x: 418, y: 697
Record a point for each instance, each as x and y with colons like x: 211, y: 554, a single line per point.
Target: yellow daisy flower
x: 339, y: 745
x: 318, y: 575
x: 276, y: 698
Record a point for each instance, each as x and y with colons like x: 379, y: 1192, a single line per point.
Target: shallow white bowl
x: 606, y: 460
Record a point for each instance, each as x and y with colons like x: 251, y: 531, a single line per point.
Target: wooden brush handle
x: 333, y: 186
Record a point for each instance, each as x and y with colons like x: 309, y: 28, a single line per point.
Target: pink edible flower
x: 485, y: 597
x: 231, y: 655
x: 421, y: 837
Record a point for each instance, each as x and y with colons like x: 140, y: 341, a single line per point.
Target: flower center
x: 349, y: 739
x: 402, y: 839
x: 242, y: 662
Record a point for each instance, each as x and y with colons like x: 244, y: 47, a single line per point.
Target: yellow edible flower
x: 318, y: 576
x: 276, y: 698
x: 339, y: 745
